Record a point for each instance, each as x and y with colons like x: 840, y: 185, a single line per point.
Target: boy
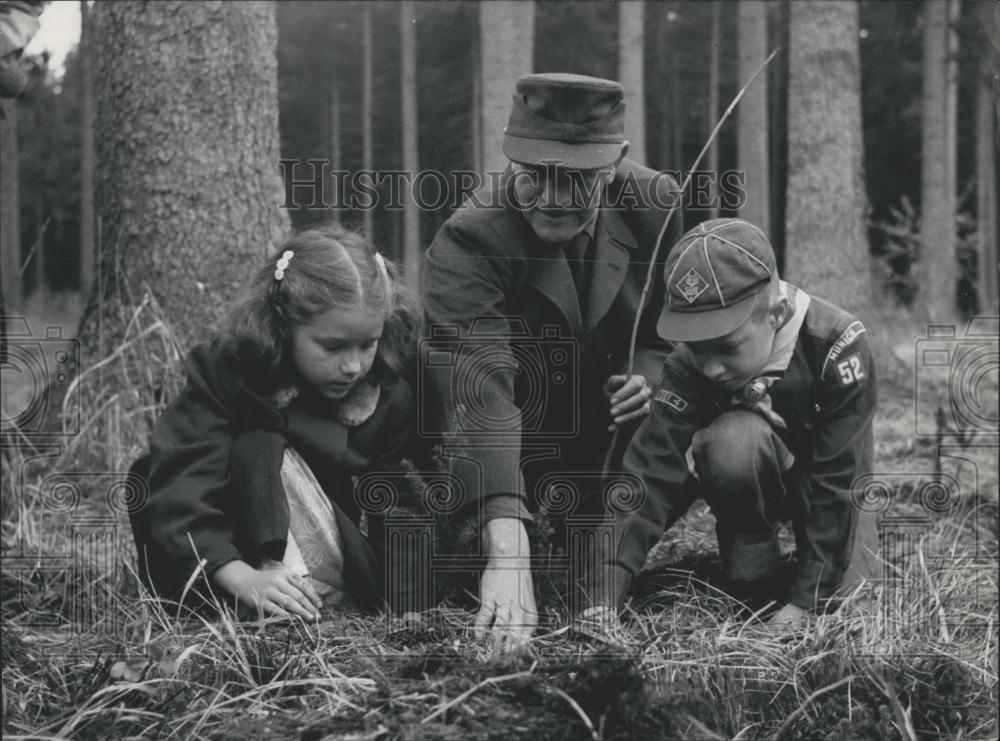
x: 769, y: 394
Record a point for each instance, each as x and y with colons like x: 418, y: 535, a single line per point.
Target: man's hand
x: 789, y: 619
x: 276, y: 591
x: 629, y: 396
x: 506, y: 593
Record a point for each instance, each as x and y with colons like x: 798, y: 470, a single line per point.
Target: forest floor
x: 911, y: 656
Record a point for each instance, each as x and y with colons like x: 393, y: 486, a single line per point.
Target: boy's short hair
x: 713, y: 275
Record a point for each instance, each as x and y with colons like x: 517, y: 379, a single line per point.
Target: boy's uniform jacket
x: 214, y: 474
x: 487, y: 265
x: 827, y: 397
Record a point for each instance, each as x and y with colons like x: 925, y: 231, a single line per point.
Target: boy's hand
x: 630, y: 397
x: 506, y: 592
x: 789, y: 619
x: 276, y: 590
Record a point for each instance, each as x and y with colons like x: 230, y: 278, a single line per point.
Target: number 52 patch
x: 850, y: 370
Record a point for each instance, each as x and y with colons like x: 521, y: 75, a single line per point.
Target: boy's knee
x: 732, y: 444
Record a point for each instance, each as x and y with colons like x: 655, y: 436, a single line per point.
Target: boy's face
x: 735, y: 359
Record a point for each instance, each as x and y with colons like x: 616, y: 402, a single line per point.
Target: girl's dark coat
x: 214, y: 474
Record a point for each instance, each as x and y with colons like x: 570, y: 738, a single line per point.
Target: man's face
x: 557, y: 202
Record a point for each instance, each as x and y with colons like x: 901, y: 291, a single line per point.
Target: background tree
x: 10, y: 226
x: 506, y: 42
x: 631, y: 63
x: 712, y: 162
x: 827, y: 250
x: 87, y: 246
x: 938, y: 265
x: 753, y: 132
x: 187, y: 182
x: 987, y: 141
x: 368, y: 164
x: 410, y: 122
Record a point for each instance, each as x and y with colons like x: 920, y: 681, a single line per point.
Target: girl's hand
x: 630, y: 397
x: 276, y: 591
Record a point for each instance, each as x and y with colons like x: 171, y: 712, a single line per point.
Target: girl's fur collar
x: 354, y: 409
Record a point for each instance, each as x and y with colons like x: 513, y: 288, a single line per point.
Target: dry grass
x: 85, y: 655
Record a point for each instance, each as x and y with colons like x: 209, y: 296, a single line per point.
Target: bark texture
x: 753, y: 130
x: 507, y: 51
x: 188, y: 187
x: 826, y: 243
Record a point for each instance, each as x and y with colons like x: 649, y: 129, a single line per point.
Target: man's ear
x: 622, y: 154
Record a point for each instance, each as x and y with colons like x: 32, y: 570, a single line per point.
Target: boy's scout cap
x: 712, y: 275
x: 572, y: 120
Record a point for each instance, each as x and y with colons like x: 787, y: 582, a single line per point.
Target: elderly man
x: 530, y: 293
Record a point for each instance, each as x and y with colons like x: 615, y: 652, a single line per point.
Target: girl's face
x: 336, y: 349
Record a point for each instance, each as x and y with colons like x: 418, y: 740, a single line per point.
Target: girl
x: 250, y: 468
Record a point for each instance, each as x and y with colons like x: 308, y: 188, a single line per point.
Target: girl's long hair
x: 332, y: 267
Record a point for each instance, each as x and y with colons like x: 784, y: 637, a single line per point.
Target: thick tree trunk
x: 712, y: 163
x: 411, y: 162
x: 938, y: 266
x: 753, y: 124
x: 986, y: 183
x: 826, y: 243
x: 367, y: 91
x: 631, y: 50
x: 507, y: 51
x: 10, y: 222
x: 86, y: 153
x: 188, y: 189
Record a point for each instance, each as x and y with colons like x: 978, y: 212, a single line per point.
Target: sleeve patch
x: 671, y: 399
x: 850, y: 370
x: 855, y: 330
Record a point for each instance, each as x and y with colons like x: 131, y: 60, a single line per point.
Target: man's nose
x: 558, y: 193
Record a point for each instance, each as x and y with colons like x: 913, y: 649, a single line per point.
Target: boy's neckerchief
x: 754, y: 396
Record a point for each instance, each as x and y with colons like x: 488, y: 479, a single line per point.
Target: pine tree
x: 506, y: 43
x: 826, y: 243
x: 187, y: 151
x: 753, y: 120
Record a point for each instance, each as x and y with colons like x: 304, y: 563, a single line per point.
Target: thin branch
x: 651, y: 271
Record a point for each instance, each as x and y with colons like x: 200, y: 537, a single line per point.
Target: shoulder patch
x: 671, y: 399
x: 847, y: 337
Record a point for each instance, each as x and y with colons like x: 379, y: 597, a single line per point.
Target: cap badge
x: 692, y: 285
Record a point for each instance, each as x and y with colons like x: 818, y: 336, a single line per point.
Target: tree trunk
x: 753, y: 125
x: 826, y: 243
x: 476, y: 144
x: 986, y: 184
x: 10, y: 222
x: 366, y: 109
x: 187, y: 152
x: 507, y: 51
x: 411, y: 162
x: 86, y: 154
x: 335, y: 159
x: 938, y: 267
x: 712, y: 163
x: 631, y: 50
x: 676, y: 127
